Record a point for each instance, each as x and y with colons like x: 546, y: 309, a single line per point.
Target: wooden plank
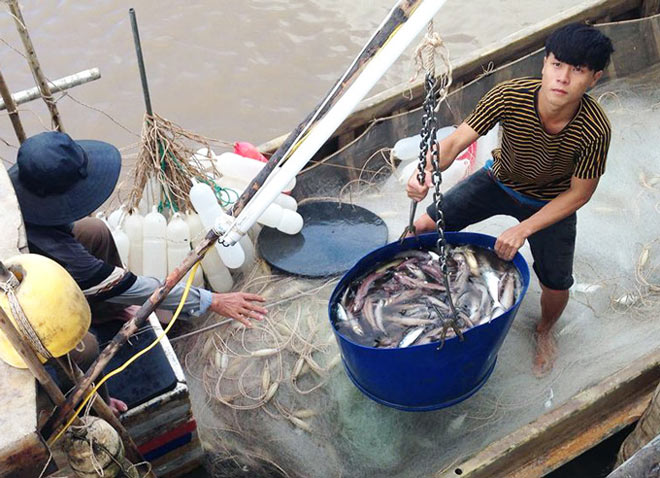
x: 180, y: 461
x: 566, y: 432
x: 26, y: 457
x: 157, y: 411
x: 21, y: 447
x: 12, y: 239
x: 511, y: 47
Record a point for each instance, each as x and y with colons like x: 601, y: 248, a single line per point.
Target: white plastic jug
x: 116, y: 217
x: 408, y: 148
x: 276, y: 216
x: 178, y: 246
x: 150, y: 195
x: 133, y: 225
x: 123, y: 245
x: 290, y: 223
x: 485, y: 146
x: 205, y: 203
x: 287, y: 202
x: 154, y: 246
x: 232, y: 165
x: 196, y: 233
x: 178, y: 242
x: 216, y: 272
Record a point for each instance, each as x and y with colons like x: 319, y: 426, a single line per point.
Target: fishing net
x: 166, y: 164
x: 275, y: 401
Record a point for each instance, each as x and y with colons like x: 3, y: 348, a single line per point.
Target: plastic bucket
x: 421, y: 377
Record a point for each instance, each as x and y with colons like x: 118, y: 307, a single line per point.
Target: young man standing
x: 554, y: 146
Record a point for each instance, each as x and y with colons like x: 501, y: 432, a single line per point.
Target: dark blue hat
x: 58, y: 180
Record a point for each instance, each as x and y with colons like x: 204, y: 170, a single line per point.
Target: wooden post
x: 11, y: 109
x: 39, y: 77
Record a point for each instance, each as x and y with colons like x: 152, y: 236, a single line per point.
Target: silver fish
x: 368, y: 312
x: 507, y: 289
x: 361, y: 293
x: 411, y: 321
x: 404, y: 296
x: 493, y: 285
x: 378, y: 312
x: 410, y: 282
x: 411, y: 337
x: 344, y: 316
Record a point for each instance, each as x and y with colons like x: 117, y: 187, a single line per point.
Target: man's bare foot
x: 117, y: 406
x: 545, y: 354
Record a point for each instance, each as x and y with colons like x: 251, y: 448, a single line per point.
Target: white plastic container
x: 485, y: 146
x: 178, y: 247
x: 287, y: 202
x: 154, y: 246
x: 216, y: 272
x: 150, y: 195
x: 283, y: 219
x: 133, y: 226
x: 178, y: 242
x: 238, y: 167
x: 408, y: 148
x: 205, y: 203
x: 116, y: 217
x: 123, y: 245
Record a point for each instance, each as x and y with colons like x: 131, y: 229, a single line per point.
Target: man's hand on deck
x: 510, y: 241
x: 239, y: 306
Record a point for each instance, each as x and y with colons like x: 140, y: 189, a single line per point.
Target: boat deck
x: 517, y: 424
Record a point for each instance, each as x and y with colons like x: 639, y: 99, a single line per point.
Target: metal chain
x: 430, y: 141
x: 428, y: 119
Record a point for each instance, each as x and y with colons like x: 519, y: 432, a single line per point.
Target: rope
x: 21, y: 320
x: 433, y: 45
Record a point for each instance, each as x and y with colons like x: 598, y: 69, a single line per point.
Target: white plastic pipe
x: 320, y: 132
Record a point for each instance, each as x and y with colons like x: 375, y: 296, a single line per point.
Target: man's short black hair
x: 580, y: 45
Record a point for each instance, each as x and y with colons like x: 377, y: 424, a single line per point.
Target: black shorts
x: 479, y: 197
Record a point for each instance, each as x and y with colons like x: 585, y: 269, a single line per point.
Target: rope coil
x: 22, y: 322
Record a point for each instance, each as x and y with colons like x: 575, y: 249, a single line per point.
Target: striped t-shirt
x: 530, y: 160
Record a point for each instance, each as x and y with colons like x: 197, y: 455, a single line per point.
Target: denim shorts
x: 480, y: 197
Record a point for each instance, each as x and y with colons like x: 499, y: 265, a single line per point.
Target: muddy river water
x: 235, y: 70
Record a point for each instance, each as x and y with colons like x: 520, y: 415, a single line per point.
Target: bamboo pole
x: 12, y: 110
x: 56, y: 86
x: 38, y: 75
x: 399, y: 15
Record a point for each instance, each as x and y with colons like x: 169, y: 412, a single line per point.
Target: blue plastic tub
x: 421, y: 377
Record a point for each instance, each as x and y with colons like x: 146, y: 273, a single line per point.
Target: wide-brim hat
x: 58, y: 180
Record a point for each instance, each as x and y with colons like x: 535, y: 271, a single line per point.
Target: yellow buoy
x: 52, y: 302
